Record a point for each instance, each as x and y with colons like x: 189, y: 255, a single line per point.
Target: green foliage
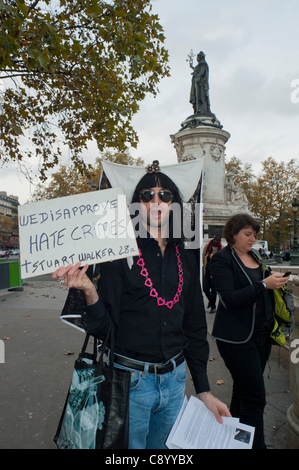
x: 68, y: 181
x: 270, y: 194
x: 74, y: 71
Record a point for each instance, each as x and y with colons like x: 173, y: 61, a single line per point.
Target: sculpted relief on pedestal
x: 234, y: 194
x: 216, y: 152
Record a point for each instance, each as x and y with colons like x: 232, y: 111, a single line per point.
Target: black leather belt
x: 153, y: 369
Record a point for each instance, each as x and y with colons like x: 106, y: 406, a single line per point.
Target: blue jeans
x: 155, y: 402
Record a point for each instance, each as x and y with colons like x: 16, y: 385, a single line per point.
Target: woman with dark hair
x: 244, y: 319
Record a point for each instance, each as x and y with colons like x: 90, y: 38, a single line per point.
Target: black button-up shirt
x: 145, y: 331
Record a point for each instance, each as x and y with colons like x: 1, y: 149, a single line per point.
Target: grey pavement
x: 40, y: 351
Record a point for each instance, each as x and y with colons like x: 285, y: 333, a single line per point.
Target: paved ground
x: 38, y: 368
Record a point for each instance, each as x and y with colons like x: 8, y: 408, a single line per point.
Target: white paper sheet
x: 92, y: 228
x: 168, y: 443
x: 197, y: 428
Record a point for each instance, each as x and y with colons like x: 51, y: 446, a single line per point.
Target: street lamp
x: 295, y: 250
x: 277, y: 247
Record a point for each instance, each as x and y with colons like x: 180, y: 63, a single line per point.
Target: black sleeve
x: 195, y: 328
x: 98, y: 316
x: 225, y: 283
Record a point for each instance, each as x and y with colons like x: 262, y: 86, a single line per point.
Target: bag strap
x: 84, y: 347
x: 109, y: 338
x: 111, y: 357
x: 265, y: 268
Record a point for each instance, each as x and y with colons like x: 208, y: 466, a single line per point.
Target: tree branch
x: 32, y: 6
x: 15, y: 75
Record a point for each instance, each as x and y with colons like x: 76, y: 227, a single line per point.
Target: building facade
x: 9, y: 232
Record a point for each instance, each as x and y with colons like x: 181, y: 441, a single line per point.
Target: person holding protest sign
x: 156, y: 305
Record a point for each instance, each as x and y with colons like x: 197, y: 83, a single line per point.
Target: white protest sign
x: 93, y: 227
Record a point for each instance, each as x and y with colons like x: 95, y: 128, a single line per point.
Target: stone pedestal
x: 293, y: 411
x: 202, y: 136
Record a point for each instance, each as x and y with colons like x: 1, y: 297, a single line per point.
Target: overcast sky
x: 252, y: 49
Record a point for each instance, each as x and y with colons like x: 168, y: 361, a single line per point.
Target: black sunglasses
x: 148, y: 195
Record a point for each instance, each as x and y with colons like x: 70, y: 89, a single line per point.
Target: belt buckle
x: 161, y: 366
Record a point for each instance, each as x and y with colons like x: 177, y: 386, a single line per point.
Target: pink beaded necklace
x: 148, y: 282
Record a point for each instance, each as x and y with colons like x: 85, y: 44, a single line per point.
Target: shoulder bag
x: 283, y: 309
x: 96, y: 412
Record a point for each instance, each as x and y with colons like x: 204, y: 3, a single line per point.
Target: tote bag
x: 96, y: 412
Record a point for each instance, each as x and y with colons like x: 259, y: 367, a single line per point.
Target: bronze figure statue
x: 199, y: 95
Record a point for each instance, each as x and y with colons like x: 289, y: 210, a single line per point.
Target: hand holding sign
x: 74, y: 277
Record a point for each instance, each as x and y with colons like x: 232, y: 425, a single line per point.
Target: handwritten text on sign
x: 92, y: 228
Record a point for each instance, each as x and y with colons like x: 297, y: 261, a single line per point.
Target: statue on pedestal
x: 199, y: 95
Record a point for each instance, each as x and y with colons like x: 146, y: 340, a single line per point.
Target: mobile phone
x: 287, y: 274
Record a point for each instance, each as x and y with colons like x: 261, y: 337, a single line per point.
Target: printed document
x: 197, y: 428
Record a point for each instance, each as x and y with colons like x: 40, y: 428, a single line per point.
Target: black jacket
x: 235, y: 317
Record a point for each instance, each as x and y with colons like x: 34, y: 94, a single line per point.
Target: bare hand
x: 275, y: 281
x: 215, y: 405
x: 77, y: 278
